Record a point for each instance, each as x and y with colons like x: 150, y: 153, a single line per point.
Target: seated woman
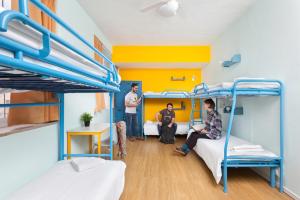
x: 212, y: 130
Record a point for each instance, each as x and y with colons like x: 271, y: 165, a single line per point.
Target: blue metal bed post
x: 272, y: 176
x: 23, y: 7
x: 61, y: 126
x: 110, y: 125
x: 282, y: 91
x: 192, y: 112
x: 225, y: 169
x: 143, y: 118
x: 201, y: 113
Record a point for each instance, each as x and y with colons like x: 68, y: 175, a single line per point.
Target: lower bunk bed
x: 103, y: 180
x: 239, y: 152
x: 150, y: 128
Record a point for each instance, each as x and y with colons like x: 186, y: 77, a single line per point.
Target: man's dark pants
x: 173, y: 126
x: 131, y: 125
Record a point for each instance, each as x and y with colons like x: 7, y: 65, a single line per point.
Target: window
x: 4, y: 99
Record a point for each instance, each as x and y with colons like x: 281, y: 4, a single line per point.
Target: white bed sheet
x: 62, y: 182
x: 212, y: 152
x: 150, y: 128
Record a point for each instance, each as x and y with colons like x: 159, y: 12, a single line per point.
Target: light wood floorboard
x: 154, y: 172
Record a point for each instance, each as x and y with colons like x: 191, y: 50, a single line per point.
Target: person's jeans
x: 131, y: 125
x: 159, y: 128
x: 192, y: 140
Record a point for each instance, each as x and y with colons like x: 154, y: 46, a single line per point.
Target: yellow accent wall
x: 157, y: 80
x: 161, y: 54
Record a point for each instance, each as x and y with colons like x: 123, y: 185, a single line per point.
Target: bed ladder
x: 193, y: 121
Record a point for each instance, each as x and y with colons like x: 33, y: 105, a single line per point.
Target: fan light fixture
x: 169, y: 9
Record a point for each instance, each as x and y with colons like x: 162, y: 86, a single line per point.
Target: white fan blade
x: 152, y: 6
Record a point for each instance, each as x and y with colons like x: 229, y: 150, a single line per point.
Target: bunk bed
x: 150, y: 128
x: 33, y: 58
x: 219, y: 155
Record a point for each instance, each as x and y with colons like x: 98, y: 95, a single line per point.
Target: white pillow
x: 84, y: 163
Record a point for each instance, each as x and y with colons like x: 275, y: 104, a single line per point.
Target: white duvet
x: 62, y: 182
x: 212, y: 152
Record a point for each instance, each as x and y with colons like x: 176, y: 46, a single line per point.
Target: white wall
x: 268, y: 38
x: 26, y: 155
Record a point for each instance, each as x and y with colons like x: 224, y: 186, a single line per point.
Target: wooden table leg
x: 69, y: 145
x: 99, y: 143
x: 91, y: 143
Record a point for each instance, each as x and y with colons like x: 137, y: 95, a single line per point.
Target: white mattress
x: 173, y: 93
x: 27, y: 36
x: 212, y: 152
x: 62, y: 182
x: 150, y: 128
x: 229, y: 85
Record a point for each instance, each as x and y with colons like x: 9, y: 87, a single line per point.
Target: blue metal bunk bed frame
x: 164, y: 95
x: 193, y: 102
x: 248, y: 161
x: 168, y: 95
x: 37, y: 77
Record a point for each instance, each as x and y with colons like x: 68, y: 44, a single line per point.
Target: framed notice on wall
x: 6, y: 4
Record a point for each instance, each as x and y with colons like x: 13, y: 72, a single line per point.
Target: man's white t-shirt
x: 131, y: 98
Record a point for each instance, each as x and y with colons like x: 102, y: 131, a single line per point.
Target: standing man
x: 167, y: 118
x: 131, y: 102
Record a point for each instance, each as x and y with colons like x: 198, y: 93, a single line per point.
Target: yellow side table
x: 93, y: 130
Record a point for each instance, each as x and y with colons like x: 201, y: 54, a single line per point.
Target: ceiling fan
x: 166, y: 8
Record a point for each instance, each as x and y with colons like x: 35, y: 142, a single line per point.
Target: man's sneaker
x: 180, y: 151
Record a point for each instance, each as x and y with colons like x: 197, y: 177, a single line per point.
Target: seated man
x: 211, y: 131
x: 167, y: 118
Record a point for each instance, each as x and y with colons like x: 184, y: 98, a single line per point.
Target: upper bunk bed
x: 240, y: 87
x: 167, y: 94
x: 34, y: 58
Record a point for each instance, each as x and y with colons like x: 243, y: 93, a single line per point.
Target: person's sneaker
x: 180, y: 151
x: 140, y: 138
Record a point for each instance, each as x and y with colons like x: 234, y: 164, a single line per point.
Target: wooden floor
x: 154, y: 172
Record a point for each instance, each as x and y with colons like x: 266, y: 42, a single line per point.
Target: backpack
x: 167, y: 135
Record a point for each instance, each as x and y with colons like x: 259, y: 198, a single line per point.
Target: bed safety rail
x: 200, y: 87
x: 183, y: 93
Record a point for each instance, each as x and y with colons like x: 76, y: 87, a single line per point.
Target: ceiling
x: 198, y: 22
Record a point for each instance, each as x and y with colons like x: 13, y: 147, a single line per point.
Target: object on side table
x: 86, y: 118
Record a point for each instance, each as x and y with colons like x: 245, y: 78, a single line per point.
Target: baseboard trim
x: 285, y: 189
x: 291, y: 193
